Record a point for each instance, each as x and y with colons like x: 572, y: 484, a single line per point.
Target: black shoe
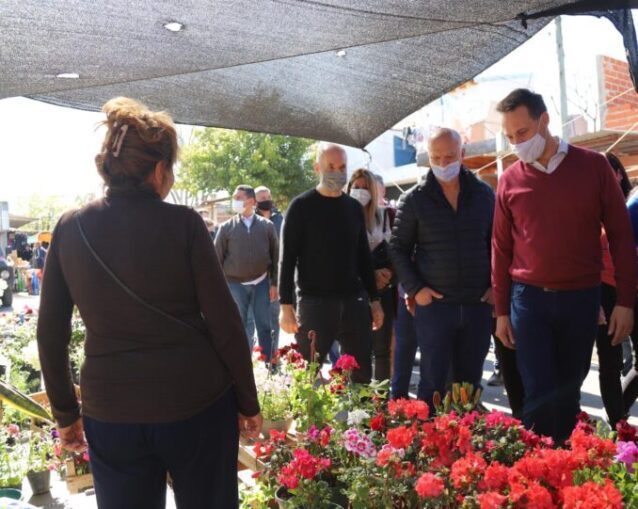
x: 496, y: 379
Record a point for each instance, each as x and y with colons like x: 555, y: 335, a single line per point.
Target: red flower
x: 304, y: 465
x: 592, y: 496
x: 626, y: 432
x: 262, y: 450
x: 258, y: 349
x: 429, y: 486
x: 277, y: 436
x: 531, y: 496
x: 409, y: 408
x: 347, y: 363
x: 467, y: 470
x: 491, y: 500
x: 401, y: 437
x: 495, y: 478
x: 377, y: 423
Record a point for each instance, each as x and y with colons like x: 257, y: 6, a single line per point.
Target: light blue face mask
x: 447, y: 173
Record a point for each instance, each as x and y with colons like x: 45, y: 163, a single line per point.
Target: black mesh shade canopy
x: 336, y: 70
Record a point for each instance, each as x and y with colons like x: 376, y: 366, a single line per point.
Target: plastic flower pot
x: 282, y: 497
x: 40, y: 482
x: 12, y: 493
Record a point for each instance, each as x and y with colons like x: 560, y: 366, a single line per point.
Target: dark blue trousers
x: 129, y: 462
x: 405, y: 345
x: 454, y: 340
x: 554, y: 334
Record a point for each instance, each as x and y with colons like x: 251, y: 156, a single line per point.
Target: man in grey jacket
x: 248, y: 250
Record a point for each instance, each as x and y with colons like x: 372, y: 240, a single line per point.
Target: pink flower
x: 627, y: 454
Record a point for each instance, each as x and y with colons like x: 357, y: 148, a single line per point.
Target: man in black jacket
x: 441, y: 251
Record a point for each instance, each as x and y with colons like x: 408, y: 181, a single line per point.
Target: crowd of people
x: 545, y: 265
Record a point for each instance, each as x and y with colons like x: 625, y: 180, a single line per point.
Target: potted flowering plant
x: 273, y: 391
x: 399, y: 454
x: 12, y: 467
x: 40, y: 460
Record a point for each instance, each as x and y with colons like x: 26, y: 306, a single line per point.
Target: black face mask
x: 264, y: 205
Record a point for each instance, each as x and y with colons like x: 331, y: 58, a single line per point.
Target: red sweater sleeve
x: 617, y: 225
x: 502, y: 249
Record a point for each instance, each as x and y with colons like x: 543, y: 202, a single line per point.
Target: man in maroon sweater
x: 546, y: 261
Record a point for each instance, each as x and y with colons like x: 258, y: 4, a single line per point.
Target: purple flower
x: 627, y: 454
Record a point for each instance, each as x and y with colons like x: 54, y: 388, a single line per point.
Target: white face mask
x: 447, y: 173
x: 530, y: 150
x: 363, y: 196
x: 238, y: 206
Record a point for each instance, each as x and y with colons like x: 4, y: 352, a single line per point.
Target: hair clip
x: 119, y: 139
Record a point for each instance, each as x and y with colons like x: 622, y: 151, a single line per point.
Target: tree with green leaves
x: 221, y: 159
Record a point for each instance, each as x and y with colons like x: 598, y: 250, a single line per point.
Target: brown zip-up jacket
x: 141, y: 367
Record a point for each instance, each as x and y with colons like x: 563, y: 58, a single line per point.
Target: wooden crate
x: 77, y: 483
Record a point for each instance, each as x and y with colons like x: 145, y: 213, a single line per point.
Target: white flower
x: 356, y: 416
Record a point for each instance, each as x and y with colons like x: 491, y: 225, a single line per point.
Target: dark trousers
x: 129, y: 462
x: 554, y: 334
x: 630, y: 392
x: 382, y: 338
x: 347, y: 320
x: 610, y: 361
x: 405, y: 345
x: 511, y: 376
x: 453, y: 339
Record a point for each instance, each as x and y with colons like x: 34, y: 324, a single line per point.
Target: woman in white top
x: 362, y: 186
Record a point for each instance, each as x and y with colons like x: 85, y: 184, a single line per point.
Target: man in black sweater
x: 324, y: 238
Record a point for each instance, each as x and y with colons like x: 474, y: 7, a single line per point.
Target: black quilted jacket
x: 448, y: 251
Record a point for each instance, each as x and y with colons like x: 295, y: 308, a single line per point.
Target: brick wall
x: 620, y: 114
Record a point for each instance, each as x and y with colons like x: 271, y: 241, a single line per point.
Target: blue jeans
x: 129, y: 461
x: 554, y: 334
x: 255, y: 298
x: 274, y: 324
x: 405, y: 346
x: 454, y: 340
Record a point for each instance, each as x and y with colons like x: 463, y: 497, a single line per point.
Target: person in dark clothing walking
x: 324, y: 238
x: 363, y: 188
x: 167, y: 381
x: 448, y: 220
x: 610, y: 356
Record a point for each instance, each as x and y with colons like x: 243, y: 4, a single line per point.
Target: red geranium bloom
x: 467, y: 470
x: 496, y: 476
x: 277, y: 436
x: 401, y: 437
x: 592, y: 496
x: 377, y: 423
x: 409, y: 408
x: 491, y: 500
x: 429, y: 486
x: 531, y: 496
x: 347, y: 363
